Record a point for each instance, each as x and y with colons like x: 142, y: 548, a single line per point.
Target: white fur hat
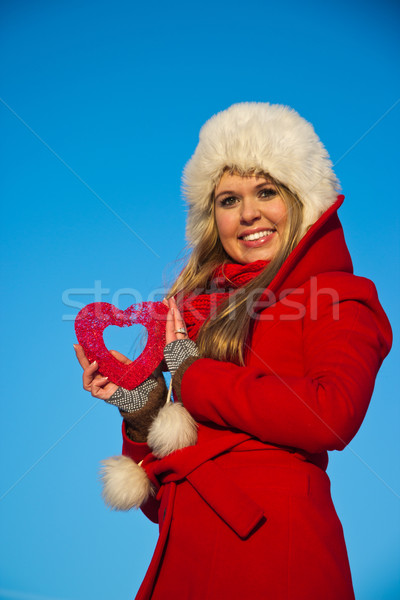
x: 268, y: 137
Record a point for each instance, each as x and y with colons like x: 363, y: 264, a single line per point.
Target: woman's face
x: 250, y: 217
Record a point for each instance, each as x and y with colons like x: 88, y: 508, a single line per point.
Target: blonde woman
x: 273, y: 345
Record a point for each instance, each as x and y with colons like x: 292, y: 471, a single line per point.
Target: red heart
x: 92, y: 320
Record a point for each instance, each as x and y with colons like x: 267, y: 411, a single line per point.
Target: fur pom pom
x: 125, y: 484
x: 172, y: 429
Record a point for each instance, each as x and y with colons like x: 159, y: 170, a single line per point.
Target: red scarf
x: 197, y: 308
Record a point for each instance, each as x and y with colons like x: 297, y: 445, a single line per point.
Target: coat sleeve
x: 321, y: 410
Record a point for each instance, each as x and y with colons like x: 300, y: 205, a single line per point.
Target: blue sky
x: 100, y: 108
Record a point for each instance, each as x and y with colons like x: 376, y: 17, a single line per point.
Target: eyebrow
x: 260, y: 185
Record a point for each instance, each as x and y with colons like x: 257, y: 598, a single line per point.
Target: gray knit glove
x: 133, y: 400
x: 139, y: 407
x: 176, y: 352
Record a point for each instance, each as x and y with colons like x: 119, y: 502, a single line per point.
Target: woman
x: 274, y: 346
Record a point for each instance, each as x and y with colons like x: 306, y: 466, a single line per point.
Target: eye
x: 269, y: 192
x: 228, y: 201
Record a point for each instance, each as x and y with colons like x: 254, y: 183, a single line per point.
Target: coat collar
x: 322, y: 249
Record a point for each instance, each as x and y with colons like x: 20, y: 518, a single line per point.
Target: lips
x: 256, y: 237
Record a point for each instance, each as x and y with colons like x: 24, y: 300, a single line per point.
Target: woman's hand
x: 93, y: 382
x: 175, y: 326
x: 178, y: 346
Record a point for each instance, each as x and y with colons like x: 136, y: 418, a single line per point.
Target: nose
x: 250, y: 210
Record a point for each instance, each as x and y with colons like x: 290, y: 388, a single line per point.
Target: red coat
x: 247, y: 512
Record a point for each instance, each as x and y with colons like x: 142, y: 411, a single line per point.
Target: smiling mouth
x: 251, y: 237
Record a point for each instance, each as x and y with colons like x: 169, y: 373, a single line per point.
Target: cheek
x: 279, y: 216
x: 225, y: 225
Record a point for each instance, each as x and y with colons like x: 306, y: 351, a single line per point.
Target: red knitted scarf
x: 198, y: 307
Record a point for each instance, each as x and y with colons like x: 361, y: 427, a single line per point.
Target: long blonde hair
x: 223, y: 336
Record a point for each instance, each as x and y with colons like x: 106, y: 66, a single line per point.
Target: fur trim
x: 172, y: 429
x: 270, y: 137
x: 125, y: 484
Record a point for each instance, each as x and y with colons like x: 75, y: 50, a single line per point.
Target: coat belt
x: 240, y: 512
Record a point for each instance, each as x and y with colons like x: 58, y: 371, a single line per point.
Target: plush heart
x: 92, y: 320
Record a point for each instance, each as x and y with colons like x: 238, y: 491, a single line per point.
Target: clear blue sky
x: 101, y: 104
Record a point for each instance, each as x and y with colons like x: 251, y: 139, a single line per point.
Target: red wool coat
x: 247, y: 512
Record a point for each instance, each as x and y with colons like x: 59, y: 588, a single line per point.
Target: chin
x: 252, y: 257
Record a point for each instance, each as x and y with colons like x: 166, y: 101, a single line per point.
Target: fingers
x: 102, y: 388
x: 89, y: 370
x: 93, y: 382
x: 180, y: 327
x: 121, y: 357
x: 88, y: 376
x: 96, y: 384
x: 175, y: 325
x: 81, y: 356
x: 170, y: 327
x: 179, y: 323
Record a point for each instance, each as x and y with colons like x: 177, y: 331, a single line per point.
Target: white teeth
x: 257, y: 236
